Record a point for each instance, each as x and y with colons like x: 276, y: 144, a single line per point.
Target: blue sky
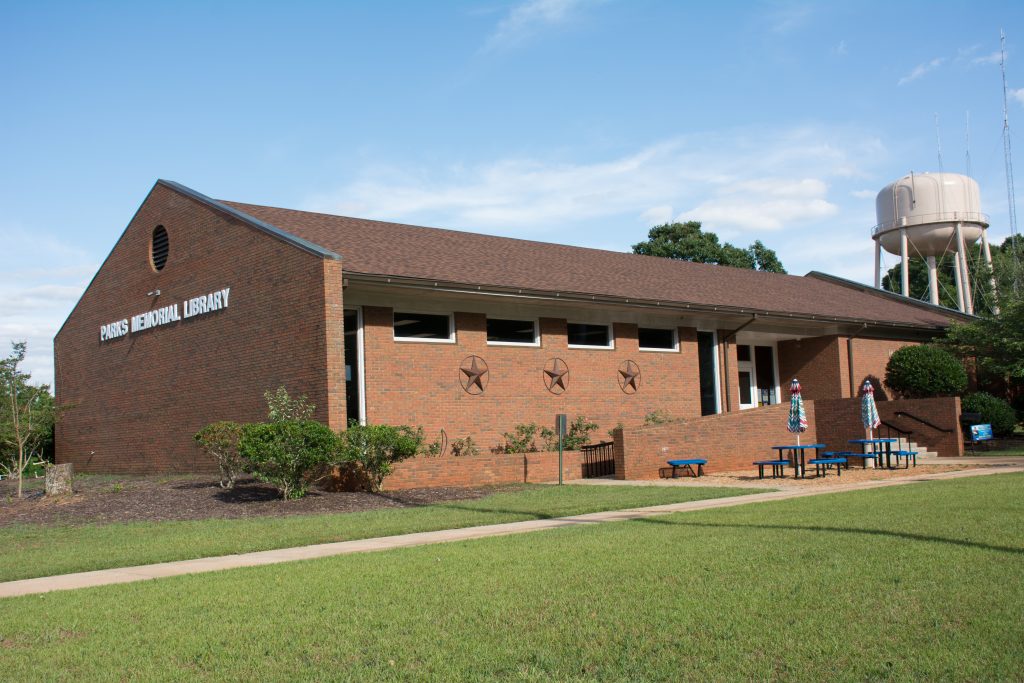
x: 574, y: 121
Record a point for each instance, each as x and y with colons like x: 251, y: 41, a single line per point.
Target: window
x: 742, y: 352
x: 656, y: 339
x: 159, y: 247
x: 585, y: 334
x: 426, y: 327
x: 502, y: 331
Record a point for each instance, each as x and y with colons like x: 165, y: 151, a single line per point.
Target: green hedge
x: 994, y: 411
x: 925, y: 371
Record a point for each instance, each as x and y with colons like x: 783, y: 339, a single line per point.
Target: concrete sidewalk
x: 105, y: 577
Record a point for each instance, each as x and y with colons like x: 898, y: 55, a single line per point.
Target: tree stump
x: 58, y: 479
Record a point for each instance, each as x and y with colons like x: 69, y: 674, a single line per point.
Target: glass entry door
x: 756, y: 367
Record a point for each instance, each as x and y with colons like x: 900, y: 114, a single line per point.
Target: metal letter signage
x: 190, y: 308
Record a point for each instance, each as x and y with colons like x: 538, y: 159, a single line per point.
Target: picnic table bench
x: 776, y: 465
x: 832, y: 459
x: 687, y: 466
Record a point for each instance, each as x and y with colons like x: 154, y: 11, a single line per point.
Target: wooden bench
x: 687, y: 466
x: 776, y: 465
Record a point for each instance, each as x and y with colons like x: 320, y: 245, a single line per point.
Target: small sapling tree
x: 27, y: 415
x: 281, y: 406
x: 220, y: 441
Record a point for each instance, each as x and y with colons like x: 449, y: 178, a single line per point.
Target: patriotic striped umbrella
x: 868, y: 409
x: 797, y: 415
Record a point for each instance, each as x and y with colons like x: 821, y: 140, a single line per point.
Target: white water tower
x: 928, y: 215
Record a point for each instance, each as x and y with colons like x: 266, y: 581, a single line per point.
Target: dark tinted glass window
x: 742, y: 352
x: 708, y: 379
x: 654, y: 338
x: 582, y: 334
x: 352, y: 364
x: 510, y: 331
x: 422, y: 326
x: 746, y: 393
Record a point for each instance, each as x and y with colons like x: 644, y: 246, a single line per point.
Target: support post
x: 958, y: 274
x: 968, y: 298
x: 933, y: 281
x: 878, y: 264
x: 991, y: 274
x: 904, y: 263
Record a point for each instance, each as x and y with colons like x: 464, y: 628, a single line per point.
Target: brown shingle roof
x: 378, y: 248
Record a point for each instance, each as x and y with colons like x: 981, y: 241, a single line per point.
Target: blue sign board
x: 981, y: 432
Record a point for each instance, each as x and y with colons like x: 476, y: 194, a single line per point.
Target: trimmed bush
x: 220, y: 441
x: 522, y: 440
x: 925, y: 371
x: 994, y: 411
x: 576, y: 436
x: 373, y: 449
x: 285, y: 453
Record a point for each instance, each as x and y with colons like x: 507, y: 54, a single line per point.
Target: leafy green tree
x: 287, y: 452
x: 374, y: 449
x: 281, y: 406
x: 994, y: 411
x: 27, y: 416
x: 892, y: 281
x: 687, y: 242
x: 996, y: 342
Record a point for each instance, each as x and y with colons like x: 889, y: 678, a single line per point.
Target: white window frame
x: 536, y: 332
x: 422, y: 340
x: 608, y: 326
x: 675, y: 339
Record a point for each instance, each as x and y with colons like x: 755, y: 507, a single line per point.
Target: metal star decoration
x: 473, y: 374
x: 556, y: 375
x: 629, y: 377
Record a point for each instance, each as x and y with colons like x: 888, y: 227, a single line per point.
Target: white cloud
x: 529, y: 18
x: 991, y: 58
x: 37, y: 292
x: 921, y: 70
x: 864, y: 194
x: 657, y: 215
x: 789, y: 16
x: 1017, y: 94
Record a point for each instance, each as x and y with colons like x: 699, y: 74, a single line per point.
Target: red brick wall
x: 820, y: 365
x: 135, y: 402
x: 418, y: 383
x: 728, y: 441
x: 484, y: 469
x: 839, y: 421
x: 870, y: 356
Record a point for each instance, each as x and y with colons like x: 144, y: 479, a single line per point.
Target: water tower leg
x: 959, y: 280
x: 991, y: 275
x: 933, y: 281
x: 878, y: 264
x: 904, y: 263
x: 962, y: 249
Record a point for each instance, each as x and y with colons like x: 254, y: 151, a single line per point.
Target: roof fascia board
x: 570, y: 297
x: 892, y: 296
x: 252, y: 221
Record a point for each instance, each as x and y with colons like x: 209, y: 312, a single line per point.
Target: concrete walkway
x: 155, y: 571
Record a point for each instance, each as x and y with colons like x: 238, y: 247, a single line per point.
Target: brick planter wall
x: 481, y: 470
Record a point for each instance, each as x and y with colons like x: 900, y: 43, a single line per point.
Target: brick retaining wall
x: 483, y: 470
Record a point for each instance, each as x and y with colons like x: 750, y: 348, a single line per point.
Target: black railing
x: 900, y: 432
x: 900, y: 413
x: 598, y: 460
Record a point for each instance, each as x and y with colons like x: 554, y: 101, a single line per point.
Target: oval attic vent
x: 159, y: 248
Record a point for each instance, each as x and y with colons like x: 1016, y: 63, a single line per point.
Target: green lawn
x: 921, y: 582
x: 38, y: 550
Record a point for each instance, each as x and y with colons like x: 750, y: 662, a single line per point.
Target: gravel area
x: 104, y: 498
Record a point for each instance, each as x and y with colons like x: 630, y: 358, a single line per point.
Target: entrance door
x: 354, y: 365
x: 756, y: 367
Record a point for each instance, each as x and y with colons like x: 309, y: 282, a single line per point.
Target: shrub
x: 373, y: 449
x: 925, y: 371
x: 522, y: 440
x: 220, y: 441
x: 282, y: 407
x: 656, y: 417
x: 285, y: 453
x: 994, y: 411
x: 464, y: 447
x: 577, y: 435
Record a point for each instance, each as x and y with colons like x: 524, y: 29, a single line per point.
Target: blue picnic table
x: 795, y: 455
x: 874, y: 443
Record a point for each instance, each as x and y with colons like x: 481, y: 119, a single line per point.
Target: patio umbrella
x: 797, y: 415
x: 868, y: 410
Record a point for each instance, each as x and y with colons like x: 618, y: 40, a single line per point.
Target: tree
x: 996, y: 342
x: 284, y: 453
x: 220, y: 441
x: 925, y: 371
x: 281, y: 406
x: 687, y: 242
x: 27, y: 415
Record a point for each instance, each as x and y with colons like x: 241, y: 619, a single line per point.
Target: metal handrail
x: 925, y: 218
x: 900, y: 413
x: 894, y: 428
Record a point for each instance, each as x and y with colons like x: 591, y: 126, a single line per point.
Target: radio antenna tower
x: 938, y: 141
x: 968, y: 143
x: 1008, y: 156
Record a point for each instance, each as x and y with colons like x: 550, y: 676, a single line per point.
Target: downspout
x: 725, y: 350
x: 849, y: 359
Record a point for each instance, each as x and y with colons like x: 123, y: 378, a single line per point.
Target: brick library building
x: 204, y: 304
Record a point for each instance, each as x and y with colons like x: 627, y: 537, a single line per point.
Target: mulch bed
x: 105, y: 499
